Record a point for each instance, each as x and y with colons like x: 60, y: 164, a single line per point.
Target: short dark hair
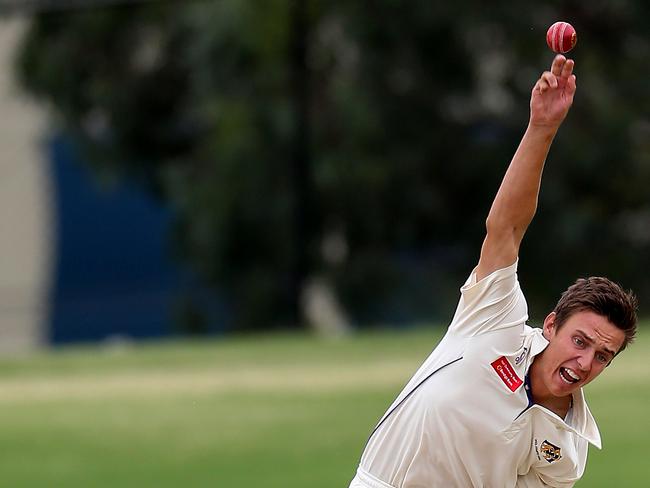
x: 604, y: 297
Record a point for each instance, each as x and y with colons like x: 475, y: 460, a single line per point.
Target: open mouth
x: 569, y: 376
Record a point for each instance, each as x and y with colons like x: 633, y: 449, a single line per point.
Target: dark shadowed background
x: 344, y: 151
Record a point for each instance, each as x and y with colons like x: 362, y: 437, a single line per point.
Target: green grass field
x: 261, y: 411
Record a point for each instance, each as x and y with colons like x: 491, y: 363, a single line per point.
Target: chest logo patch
x: 550, y: 452
x: 506, y: 372
x: 521, y: 357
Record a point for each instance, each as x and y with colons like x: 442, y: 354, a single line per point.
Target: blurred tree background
x: 357, y: 144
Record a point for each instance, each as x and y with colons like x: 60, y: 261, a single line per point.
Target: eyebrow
x: 591, y: 340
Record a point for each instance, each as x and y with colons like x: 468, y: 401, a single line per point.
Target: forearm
x: 516, y: 201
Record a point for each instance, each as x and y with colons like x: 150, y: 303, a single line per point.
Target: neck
x: 558, y: 405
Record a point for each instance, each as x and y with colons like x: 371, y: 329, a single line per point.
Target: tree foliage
x: 360, y: 141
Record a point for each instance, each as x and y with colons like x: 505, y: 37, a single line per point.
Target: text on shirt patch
x: 506, y: 372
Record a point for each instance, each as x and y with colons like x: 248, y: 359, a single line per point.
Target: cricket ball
x: 561, y: 37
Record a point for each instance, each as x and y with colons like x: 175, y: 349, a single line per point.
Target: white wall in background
x: 25, y: 208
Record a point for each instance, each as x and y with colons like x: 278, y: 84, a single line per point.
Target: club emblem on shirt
x: 550, y: 452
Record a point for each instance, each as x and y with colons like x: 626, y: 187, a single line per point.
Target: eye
x: 601, y: 358
x: 578, y: 342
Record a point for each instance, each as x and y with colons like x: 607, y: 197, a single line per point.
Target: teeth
x: 572, y: 374
x: 564, y: 378
x: 568, y: 376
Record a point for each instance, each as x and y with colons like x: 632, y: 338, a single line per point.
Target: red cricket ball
x: 561, y: 37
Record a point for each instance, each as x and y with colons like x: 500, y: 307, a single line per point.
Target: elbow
x: 499, y: 228
x: 495, y: 225
x: 515, y: 222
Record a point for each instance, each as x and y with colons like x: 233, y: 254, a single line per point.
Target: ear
x: 549, y: 326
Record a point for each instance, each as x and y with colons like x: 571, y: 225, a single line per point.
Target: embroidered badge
x: 550, y: 452
x: 507, y: 373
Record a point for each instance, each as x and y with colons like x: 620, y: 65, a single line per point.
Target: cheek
x: 563, y: 351
x: 596, y: 369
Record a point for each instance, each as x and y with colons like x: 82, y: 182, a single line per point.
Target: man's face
x: 578, y: 351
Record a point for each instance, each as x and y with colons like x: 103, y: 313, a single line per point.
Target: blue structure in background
x: 113, y: 274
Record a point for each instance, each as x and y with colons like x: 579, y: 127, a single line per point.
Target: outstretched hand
x: 553, y: 94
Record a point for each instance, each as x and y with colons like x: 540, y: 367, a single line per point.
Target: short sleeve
x: 493, y: 303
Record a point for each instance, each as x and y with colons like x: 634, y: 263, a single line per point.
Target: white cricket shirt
x: 465, y: 418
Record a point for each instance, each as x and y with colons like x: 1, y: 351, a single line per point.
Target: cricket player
x: 498, y: 403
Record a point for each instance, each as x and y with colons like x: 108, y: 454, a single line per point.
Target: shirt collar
x: 583, y: 422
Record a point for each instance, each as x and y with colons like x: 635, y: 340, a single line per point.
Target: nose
x: 585, y: 360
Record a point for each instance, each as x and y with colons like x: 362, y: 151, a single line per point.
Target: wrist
x: 542, y: 130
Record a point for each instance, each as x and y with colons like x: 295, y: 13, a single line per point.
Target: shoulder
x: 505, y: 277
x: 493, y: 302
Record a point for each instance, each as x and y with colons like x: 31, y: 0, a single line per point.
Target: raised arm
x: 516, y: 201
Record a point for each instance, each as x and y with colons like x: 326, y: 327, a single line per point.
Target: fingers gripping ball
x: 561, y: 37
